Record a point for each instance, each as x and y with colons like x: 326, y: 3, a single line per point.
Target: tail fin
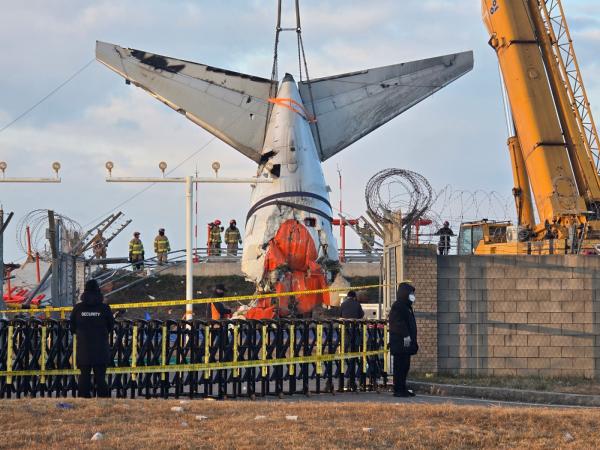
x: 232, y: 106
x: 350, y: 106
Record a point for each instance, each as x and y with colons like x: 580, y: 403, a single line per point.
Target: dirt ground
x: 152, y: 424
x: 567, y: 385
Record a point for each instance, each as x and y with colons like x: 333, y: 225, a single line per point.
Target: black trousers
x: 85, y: 381
x: 401, y: 368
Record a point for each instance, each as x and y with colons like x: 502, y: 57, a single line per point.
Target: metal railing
x: 200, y: 358
x: 203, y: 254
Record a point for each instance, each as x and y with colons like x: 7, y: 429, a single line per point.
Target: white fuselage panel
x: 300, y: 182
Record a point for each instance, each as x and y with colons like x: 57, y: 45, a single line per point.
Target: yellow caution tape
x: 199, y: 366
x: 195, y: 301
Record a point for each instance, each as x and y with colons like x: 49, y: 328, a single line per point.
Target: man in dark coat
x: 444, y: 233
x: 351, y: 308
x: 92, y: 321
x: 403, y: 337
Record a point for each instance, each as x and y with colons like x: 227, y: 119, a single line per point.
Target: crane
x: 553, y: 142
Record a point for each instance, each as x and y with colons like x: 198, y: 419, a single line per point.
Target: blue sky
x: 455, y: 138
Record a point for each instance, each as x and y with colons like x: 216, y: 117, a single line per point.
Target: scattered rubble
x: 97, y: 436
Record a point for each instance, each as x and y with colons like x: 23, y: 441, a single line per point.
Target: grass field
x: 152, y: 424
x: 571, y: 385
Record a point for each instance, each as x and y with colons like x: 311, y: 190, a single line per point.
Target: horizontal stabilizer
x: 230, y: 105
x: 350, y: 106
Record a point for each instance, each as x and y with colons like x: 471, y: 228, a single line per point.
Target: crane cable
x: 302, y: 55
x: 302, y: 68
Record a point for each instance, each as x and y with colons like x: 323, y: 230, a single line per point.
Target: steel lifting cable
x: 308, y: 82
x: 274, y: 71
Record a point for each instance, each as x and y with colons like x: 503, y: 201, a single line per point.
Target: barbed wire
x: 393, y: 190
x: 37, y: 221
x: 460, y: 205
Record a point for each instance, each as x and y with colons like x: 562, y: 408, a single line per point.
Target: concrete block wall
x: 526, y: 315
x: 420, y: 266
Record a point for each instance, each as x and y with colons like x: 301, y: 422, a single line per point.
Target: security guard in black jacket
x: 403, y: 336
x: 92, y: 322
x: 351, y: 308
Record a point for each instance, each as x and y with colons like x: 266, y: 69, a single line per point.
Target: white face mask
x: 411, y: 298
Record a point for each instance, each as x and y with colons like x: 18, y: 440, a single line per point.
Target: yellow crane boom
x: 538, y: 130
x: 555, y: 147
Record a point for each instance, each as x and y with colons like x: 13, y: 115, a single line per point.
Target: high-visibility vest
x: 136, y: 247
x: 232, y: 236
x: 161, y: 244
x: 215, y: 235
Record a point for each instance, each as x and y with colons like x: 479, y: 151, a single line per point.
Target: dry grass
x: 572, y: 385
x: 151, y: 424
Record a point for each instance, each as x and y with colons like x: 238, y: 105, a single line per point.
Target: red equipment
x: 292, y: 251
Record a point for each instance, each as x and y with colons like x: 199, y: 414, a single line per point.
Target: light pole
x: 4, y: 179
x: 189, y: 182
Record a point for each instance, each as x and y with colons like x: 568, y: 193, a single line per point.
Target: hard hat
x: 136, y: 233
x: 217, y: 222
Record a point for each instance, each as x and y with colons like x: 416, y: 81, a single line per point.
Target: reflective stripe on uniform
x: 161, y: 244
x: 136, y: 247
x: 232, y: 236
x: 215, y: 235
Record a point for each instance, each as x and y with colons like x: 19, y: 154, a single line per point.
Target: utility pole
x: 189, y: 182
x: 3, y: 225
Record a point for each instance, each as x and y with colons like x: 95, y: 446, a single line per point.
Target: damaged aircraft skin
x: 288, y: 129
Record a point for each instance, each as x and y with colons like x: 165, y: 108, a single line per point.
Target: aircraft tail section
x: 350, y: 106
x: 232, y: 106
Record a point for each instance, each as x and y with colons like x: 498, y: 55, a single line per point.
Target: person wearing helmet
x: 233, y: 238
x: 99, y: 247
x: 214, y: 238
x: 403, y: 336
x: 136, y: 252
x: 161, y: 247
x: 444, y: 233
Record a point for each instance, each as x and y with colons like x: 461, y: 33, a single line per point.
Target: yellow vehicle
x: 484, y: 231
x: 554, y: 147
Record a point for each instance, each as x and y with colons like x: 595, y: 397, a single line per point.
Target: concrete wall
x: 527, y: 315
x: 420, y: 266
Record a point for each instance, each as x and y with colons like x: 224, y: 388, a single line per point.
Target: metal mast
x: 553, y: 15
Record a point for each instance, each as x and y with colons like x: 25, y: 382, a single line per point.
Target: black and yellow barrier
x: 219, y: 359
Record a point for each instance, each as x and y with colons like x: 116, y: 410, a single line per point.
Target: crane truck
x: 553, y: 142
